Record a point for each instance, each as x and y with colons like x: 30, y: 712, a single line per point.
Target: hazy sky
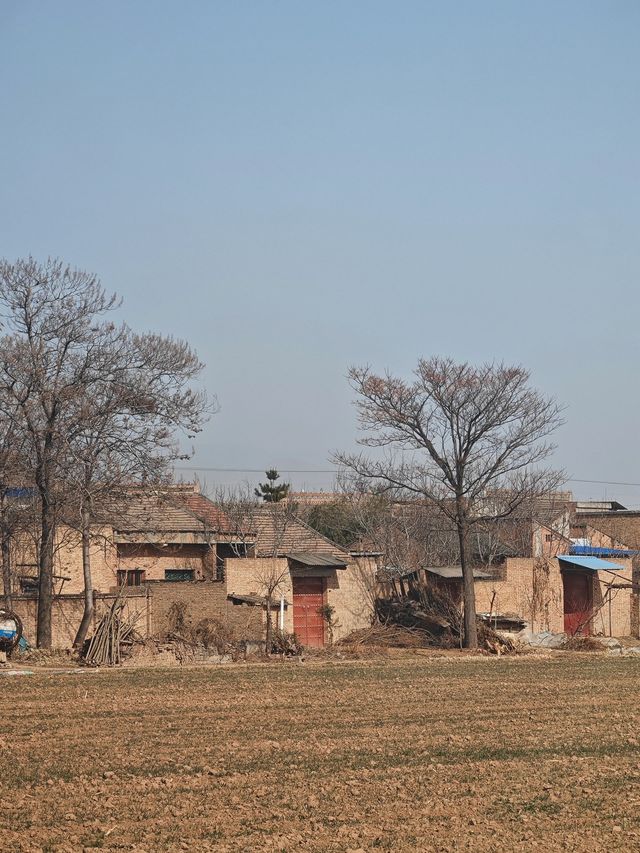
x: 295, y: 187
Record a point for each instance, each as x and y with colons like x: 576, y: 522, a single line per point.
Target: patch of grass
x: 542, y: 804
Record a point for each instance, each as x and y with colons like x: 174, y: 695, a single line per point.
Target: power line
x: 603, y: 482
x: 257, y: 470
x: 335, y: 471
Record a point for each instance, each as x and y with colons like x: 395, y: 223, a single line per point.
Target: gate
x: 578, y: 602
x: 308, y: 598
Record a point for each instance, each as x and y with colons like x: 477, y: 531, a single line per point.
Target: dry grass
x: 408, y: 753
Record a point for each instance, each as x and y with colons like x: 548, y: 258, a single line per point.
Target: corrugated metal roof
x: 454, y: 572
x: 592, y: 563
x: 311, y: 558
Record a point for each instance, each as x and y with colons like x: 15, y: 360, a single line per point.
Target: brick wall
x: 252, y: 575
x: 155, y: 560
x: 65, y: 618
x: 149, y: 606
x: 624, y: 528
x: 204, y: 600
x: 107, y: 557
x: 349, y: 591
x: 67, y: 560
x: 352, y: 593
x: 527, y: 587
x: 532, y: 589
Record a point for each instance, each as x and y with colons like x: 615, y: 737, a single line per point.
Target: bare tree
x: 12, y: 477
x: 271, y: 577
x: 77, y: 381
x: 124, y: 431
x: 51, y: 318
x: 468, y: 439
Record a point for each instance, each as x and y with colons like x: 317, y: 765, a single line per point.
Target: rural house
x: 545, y: 569
x: 177, y: 546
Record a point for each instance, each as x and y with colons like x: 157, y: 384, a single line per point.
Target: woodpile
x: 433, y: 620
x: 113, y: 638
x: 391, y: 636
x: 494, y: 643
x: 407, y: 613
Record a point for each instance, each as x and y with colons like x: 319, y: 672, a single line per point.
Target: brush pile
x: 426, y: 617
x: 389, y: 636
x: 413, y: 615
x: 113, y: 638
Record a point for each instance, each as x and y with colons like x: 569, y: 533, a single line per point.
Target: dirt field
x: 413, y: 753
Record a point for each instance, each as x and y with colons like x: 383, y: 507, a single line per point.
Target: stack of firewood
x: 113, y: 637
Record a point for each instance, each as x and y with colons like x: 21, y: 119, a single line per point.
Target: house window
x: 178, y: 574
x: 131, y: 577
x: 28, y: 584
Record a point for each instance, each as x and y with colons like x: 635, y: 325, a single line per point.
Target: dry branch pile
x: 113, y: 637
x: 392, y: 636
x: 428, y: 618
x: 412, y: 614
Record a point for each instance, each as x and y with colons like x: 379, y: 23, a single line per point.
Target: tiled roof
x: 273, y: 528
x: 278, y: 533
x: 207, y: 511
x: 156, y: 511
x: 314, y: 498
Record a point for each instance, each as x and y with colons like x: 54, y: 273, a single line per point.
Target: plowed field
x: 409, y: 753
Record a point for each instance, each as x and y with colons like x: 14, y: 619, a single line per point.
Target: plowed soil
x: 409, y: 753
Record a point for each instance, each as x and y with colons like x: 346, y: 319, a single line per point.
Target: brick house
x: 178, y: 546
x: 552, y: 571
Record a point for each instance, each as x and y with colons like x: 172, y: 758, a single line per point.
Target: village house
x: 545, y: 568
x: 177, y: 546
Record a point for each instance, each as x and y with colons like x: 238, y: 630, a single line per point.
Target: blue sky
x: 297, y: 187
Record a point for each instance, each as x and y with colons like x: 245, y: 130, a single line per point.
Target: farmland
x: 390, y: 754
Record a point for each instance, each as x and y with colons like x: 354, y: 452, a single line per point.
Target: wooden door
x: 577, y: 588
x: 308, y: 598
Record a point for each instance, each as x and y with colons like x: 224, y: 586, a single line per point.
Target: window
x: 28, y: 584
x: 131, y: 577
x: 178, y: 574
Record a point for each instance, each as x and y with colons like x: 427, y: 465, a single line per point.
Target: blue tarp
x: 590, y: 551
x: 591, y: 563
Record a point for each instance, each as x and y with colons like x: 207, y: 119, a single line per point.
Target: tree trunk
x: 45, y: 585
x: 269, y: 637
x: 87, y: 615
x: 6, y: 552
x: 6, y: 569
x: 468, y: 587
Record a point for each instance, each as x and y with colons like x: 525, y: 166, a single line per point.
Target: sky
x: 294, y: 188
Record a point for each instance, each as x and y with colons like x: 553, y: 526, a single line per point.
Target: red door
x: 577, y: 603
x: 308, y: 598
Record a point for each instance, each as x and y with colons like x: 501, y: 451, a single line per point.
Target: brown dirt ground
x: 414, y: 752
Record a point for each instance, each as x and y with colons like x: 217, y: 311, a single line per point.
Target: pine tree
x: 269, y: 491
